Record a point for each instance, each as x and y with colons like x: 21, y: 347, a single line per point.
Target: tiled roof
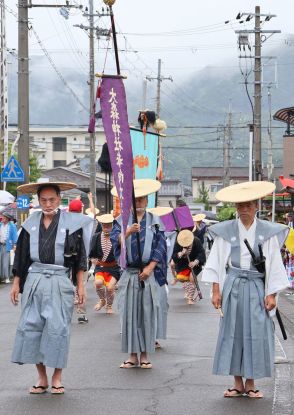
x: 218, y: 172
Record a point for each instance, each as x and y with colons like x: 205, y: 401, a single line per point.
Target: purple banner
x: 184, y: 217
x: 117, y: 132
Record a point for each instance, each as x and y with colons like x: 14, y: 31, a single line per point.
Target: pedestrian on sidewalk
x: 51, y: 245
x: 139, y: 302
x: 188, y: 255
x: 107, y: 271
x: 8, y: 238
x: 245, y: 295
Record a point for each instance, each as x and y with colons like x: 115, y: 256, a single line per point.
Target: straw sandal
x: 237, y: 393
x: 38, y: 390
x: 57, y: 390
x: 128, y: 365
x: 99, y: 305
x: 145, y: 365
x: 255, y: 392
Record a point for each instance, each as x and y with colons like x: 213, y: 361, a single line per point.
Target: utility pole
x: 3, y: 91
x: 270, y: 165
x: 257, y: 96
x: 23, y: 80
x: 144, y: 97
x: 260, y: 36
x: 159, y: 79
x: 226, y: 150
x: 92, y: 98
x: 23, y: 88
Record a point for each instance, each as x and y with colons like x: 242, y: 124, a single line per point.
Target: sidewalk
x: 180, y: 382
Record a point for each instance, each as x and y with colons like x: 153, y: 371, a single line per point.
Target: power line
x: 61, y: 77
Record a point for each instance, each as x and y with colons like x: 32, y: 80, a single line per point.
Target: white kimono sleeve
x: 276, y: 277
x: 215, y: 267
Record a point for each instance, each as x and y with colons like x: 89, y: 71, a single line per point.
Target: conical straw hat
x: 160, y: 210
x: 142, y: 187
x: 107, y: 218
x: 90, y: 213
x: 245, y: 192
x: 33, y: 187
x: 199, y: 217
x: 185, y: 238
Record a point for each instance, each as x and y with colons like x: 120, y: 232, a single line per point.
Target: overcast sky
x: 186, y: 35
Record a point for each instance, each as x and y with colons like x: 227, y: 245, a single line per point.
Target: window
x: 59, y: 143
x: 216, y: 187
x: 59, y: 163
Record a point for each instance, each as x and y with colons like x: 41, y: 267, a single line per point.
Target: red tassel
x: 99, y: 91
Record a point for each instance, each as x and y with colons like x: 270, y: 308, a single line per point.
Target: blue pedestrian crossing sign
x: 12, y: 172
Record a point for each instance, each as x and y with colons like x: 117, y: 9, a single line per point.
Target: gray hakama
x: 47, y: 305
x: 245, y: 344
x: 47, y: 301
x: 139, y: 308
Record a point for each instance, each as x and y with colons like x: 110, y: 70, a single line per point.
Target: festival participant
x: 245, y: 295
x: 8, y: 238
x: 199, y: 226
x: 76, y: 206
x: 140, y: 304
x: 51, y: 244
x: 188, y: 255
x: 107, y: 271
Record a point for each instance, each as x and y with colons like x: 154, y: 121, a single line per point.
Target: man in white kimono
x: 245, y: 297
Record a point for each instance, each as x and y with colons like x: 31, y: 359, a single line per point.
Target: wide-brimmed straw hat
x: 199, y: 217
x: 90, y: 213
x: 160, y: 210
x: 107, y: 218
x: 33, y: 187
x: 245, y: 192
x: 142, y: 187
x: 185, y: 238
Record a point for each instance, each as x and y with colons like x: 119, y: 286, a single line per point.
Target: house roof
x: 218, y: 172
x: 72, y: 175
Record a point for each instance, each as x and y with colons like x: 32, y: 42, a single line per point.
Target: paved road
x: 180, y: 382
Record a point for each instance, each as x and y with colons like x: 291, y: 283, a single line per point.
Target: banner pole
x: 114, y: 40
x: 133, y: 190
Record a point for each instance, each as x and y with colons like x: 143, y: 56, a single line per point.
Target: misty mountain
x: 202, y: 100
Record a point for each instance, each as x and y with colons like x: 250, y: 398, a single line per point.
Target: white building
x: 60, y: 146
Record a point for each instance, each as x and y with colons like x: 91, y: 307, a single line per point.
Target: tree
x: 226, y: 212
x: 203, y: 195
